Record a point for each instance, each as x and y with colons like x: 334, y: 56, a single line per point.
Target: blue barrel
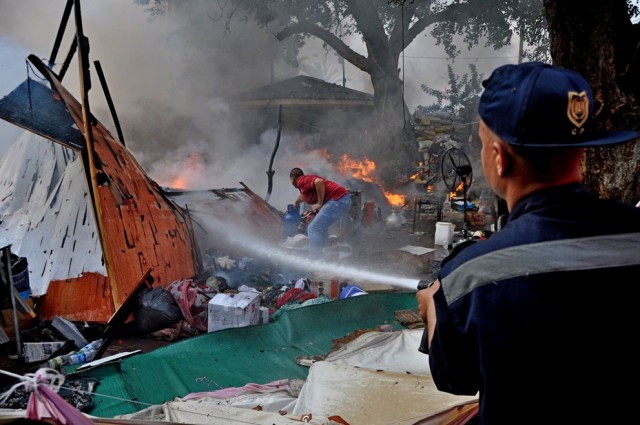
x: 290, y: 222
x: 20, y: 272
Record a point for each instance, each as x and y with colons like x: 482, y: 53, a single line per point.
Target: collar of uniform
x: 547, y: 196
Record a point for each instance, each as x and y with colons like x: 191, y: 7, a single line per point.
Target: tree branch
x: 305, y: 27
x: 421, y: 24
x: 373, y: 33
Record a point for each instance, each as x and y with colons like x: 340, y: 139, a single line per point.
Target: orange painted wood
x: 86, y: 298
x: 142, y: 228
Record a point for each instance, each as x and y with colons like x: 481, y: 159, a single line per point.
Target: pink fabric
x: 46, y: 405
x: 236, y: 391
x: 193, y: 304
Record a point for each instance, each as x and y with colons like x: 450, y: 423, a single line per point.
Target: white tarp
x: 206, y: 413
x: 392, y: 351
x: 378, y: 378
x: 368, y: 396
x: 45, y: 214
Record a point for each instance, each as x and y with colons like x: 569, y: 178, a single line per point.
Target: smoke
x: 170, y: 77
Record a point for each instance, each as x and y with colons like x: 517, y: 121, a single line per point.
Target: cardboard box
x: 39, y: 351
x: 233, y: 310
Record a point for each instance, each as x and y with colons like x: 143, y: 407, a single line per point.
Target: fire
x: 415, y: 176
x: 360, y: 170
x: 324, y: 154
x: 455, y: 192
x: 395, y: 199
x: 420, y: 174
x: 186, y: 173
x: 179, y: 183
x: 364, y: 170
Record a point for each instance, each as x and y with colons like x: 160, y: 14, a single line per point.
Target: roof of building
x: 304, y: 90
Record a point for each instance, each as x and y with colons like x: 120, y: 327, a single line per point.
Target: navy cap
x: 540, y: 105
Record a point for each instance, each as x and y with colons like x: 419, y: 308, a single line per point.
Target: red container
x: 369, y: 214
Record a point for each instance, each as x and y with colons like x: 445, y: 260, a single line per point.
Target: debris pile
x: 237, y: 292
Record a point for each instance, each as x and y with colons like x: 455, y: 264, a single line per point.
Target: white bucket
x: 444, y: 233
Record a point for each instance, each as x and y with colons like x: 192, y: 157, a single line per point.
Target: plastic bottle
x: 290, y: 222
x: 58, y: 362
x: 85, y: 354
x: 90, y: 350
x: 77, y: 357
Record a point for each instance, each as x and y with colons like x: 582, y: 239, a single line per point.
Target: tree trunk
x: 596, y: 38
x: 395, y: 150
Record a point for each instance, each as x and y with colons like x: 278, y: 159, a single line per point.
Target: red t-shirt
x: 332, y: 191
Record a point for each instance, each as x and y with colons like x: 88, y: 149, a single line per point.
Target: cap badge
x: 578, y: 110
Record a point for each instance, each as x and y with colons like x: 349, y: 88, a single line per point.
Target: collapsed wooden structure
x: 142, y: 232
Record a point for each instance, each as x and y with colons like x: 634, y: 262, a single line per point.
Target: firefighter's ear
x: 504, y: 158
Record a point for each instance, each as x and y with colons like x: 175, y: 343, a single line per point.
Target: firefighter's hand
x: 426, y: 305
x: 315, y: 208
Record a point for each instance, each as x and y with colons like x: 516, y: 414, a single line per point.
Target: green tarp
x: 236, y: 357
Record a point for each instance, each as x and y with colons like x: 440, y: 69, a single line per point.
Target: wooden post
x: 88, y: 152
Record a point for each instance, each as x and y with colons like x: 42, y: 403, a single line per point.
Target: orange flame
x: 358, y: 169
x: 395, y: 199
x: 455, y: 192
x: 364, y: 170
x: 415, y: 176
x: 189, y: 169
x: 179, y: 183
x: 324, y: 154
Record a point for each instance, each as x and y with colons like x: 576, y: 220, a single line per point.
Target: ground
x: 373, y: 246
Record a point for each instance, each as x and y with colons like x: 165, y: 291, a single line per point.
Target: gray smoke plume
x: 171, y: 76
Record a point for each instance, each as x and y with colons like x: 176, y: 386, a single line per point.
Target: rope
x: 108, y: 396
x: 53, y: 379
x: 31, y: 381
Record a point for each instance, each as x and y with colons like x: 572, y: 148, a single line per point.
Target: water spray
x: 292, y: 258
x: 288, y: 257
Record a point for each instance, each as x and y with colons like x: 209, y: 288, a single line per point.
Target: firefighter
x: 539, y: 319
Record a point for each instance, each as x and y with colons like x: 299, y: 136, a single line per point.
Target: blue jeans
x: 318, y: 229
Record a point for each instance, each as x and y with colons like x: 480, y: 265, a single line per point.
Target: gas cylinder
x: 394, y: 221
x: 290, y: 222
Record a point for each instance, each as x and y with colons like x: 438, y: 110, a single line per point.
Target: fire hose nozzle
x: 424, y: 284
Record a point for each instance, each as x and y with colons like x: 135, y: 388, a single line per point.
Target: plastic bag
x: 157, y: 309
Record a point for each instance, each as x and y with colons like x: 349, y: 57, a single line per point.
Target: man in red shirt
x: 331, y: 201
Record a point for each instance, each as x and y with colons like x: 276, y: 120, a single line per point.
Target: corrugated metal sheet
x: 142, y: 228
x: 33, y: 106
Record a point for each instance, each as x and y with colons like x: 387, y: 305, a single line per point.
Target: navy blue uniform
x: 541, y: 318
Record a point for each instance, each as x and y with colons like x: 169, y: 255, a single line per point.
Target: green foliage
x: 496, y: 23
x: 461, y: 93
x: 493, y: 23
